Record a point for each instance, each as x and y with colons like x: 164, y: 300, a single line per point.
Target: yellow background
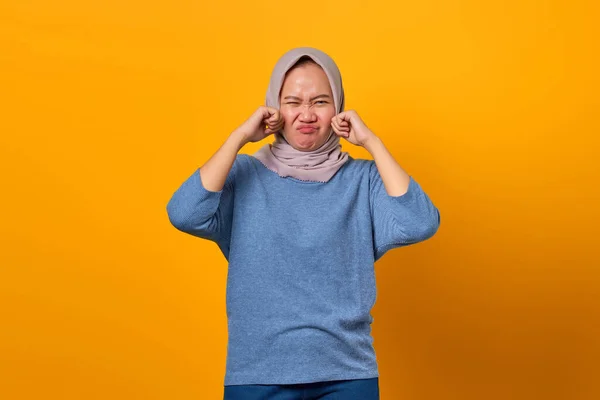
x: 108, y: 106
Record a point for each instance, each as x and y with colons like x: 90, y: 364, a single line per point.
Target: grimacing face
x: 306, y: 105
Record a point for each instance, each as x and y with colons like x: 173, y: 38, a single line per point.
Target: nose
x: 307, y: 114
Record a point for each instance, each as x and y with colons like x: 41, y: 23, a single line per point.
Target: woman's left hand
x: 348, y: 125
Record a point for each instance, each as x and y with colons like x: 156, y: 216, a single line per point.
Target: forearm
x: 214, y: 172
x: 394, y: 178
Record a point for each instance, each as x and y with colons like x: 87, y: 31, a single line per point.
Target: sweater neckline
x: 296, y: 180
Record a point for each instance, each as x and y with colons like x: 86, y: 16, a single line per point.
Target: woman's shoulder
x: 246, y: 165
x: 242, y: 158
x: 243, y: 161
x: 246, y: 162
x: 359, y: 165
x: 360, y: 162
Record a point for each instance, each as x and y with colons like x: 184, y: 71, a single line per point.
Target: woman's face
x: 307, y: 107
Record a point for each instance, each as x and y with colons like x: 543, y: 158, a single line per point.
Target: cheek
x: 327, y: 115
x: 288, y: 116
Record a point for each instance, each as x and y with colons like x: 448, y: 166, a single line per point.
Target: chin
x: 305, y: 145
x: 303, y: 148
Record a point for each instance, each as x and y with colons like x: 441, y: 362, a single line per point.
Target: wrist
x: 371, y: 143
x: 238, y: 138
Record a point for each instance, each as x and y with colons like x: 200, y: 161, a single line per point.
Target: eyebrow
x: 314, y: 98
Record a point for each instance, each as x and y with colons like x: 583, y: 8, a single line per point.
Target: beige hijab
x: 318, y: 165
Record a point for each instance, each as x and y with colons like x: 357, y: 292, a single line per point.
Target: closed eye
x: 316, y: 102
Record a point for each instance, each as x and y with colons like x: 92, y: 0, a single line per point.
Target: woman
x: 301, y: 224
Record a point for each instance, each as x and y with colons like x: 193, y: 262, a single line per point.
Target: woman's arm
x: 263, y: 122
x: 350, y: 126
x: 214, y: 172
x: 394, y: 178
x: 402, y: 212
x: 203, y: 204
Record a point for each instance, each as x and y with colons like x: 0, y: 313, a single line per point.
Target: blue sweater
x: 301, y: 279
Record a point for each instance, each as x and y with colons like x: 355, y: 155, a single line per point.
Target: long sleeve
x: 400, y: 220
x: 199, y: 212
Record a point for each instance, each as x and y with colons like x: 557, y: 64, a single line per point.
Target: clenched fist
x: 264, y: 122
x: 348, y: 125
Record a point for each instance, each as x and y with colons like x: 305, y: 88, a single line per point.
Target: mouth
x: 307, y: 129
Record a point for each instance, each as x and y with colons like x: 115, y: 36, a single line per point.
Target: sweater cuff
x: 200, y: 187
x: 192, y: 201
x: 413, y: 187
x: 204, y: 203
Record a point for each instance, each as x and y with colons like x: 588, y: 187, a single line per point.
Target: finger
x: 343, y: 116
x: 273, y: 112
x: 340, y: 127
x: 275, y: 127
x: 339, y: 132
x: 344, y: 131
x: 264, y: 111
x: 271, y: 121
x: 275, y: 118
x: 335, y: 125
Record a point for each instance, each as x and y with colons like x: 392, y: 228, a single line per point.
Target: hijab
x: 317, y: 165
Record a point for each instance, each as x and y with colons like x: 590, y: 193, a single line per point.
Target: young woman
x: 301, y: 224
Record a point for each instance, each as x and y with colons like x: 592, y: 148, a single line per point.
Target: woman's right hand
x: 264, y: 122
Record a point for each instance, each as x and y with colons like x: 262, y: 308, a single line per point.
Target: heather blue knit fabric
x: 301, y: 279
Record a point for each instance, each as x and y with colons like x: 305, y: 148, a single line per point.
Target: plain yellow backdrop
x: 108, y: 106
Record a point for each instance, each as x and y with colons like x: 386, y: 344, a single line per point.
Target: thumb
x: 271, y: 112
x: 343, y: 116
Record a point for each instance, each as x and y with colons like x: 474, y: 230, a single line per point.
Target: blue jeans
x: 352, y: 389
